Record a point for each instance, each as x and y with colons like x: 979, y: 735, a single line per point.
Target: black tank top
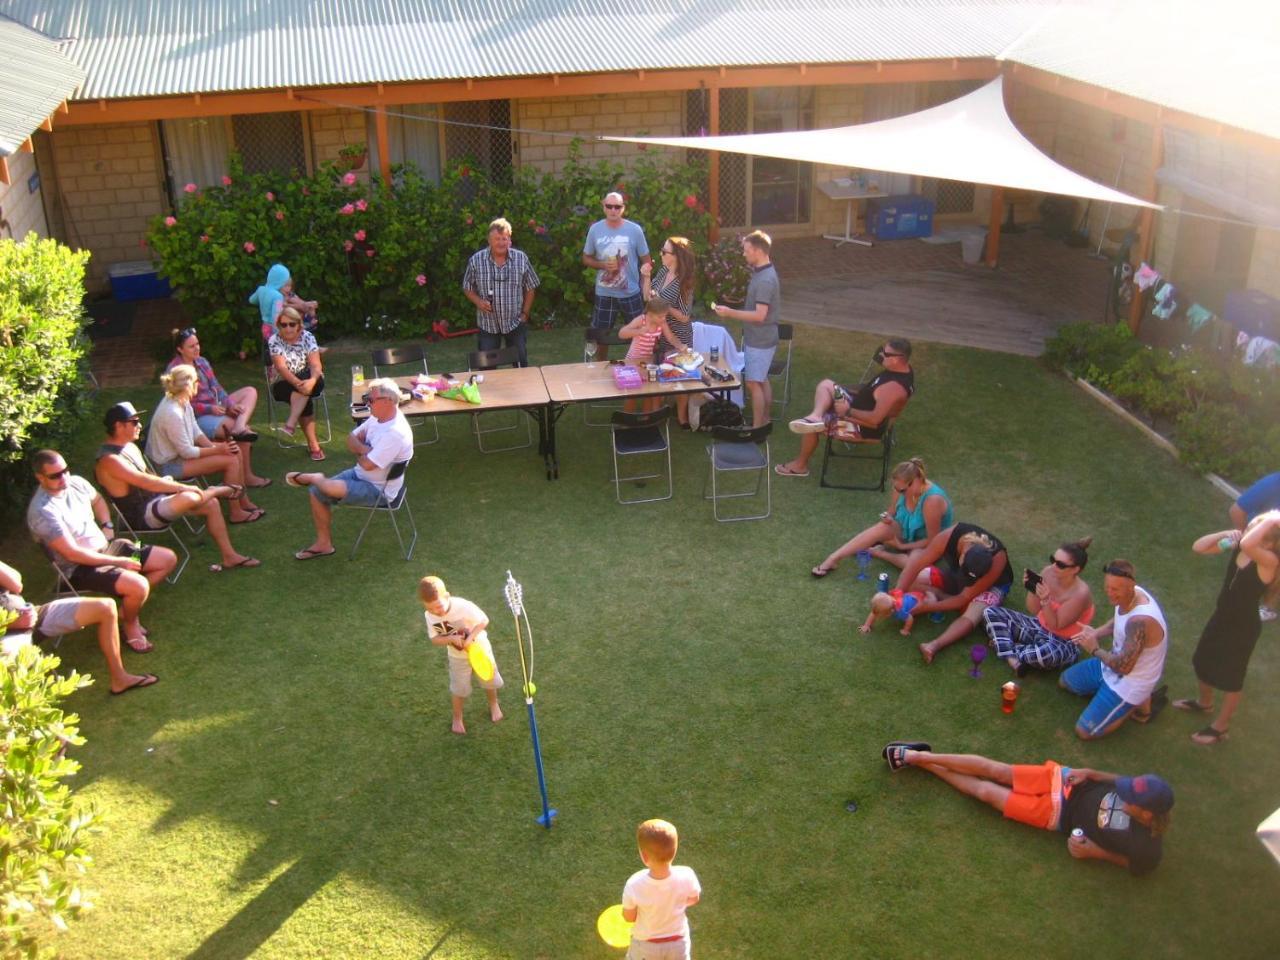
x: 134, y: 503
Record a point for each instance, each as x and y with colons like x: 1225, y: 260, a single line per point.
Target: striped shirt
x: 642, y: 345
x: 503, y: 286
x: 670, y: 293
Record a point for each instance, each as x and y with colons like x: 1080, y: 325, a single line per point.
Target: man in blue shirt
x: 615, y: 248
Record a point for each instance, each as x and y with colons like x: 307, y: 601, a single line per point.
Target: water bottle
x: 882, y: 583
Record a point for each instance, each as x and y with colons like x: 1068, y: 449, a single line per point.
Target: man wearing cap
x: 19, y: 620
x: 151, y: 502
x: 1121, y: 820
x: 68, y: 518
x: 976, y: 575
x: 615, y: 248
x: 382, y: 440
x: 1121, y: 682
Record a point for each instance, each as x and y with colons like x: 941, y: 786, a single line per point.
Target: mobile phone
x: 1031, y: 579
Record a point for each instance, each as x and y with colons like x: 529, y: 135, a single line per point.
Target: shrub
x: 1091, y: 351
x: 43, y: 829
x: 724, y: 271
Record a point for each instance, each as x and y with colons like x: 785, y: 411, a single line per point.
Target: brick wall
x: 20, y: 210
x: 832, y: 107
x: 331, y: 130
x: 112, y: 185
x: 1264, y: 268
x: 654, y: 114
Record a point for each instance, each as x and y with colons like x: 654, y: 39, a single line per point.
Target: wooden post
x: 384, y: 144
x: 993, y: 229
x: 713, y: 164
x: 1146, y: 221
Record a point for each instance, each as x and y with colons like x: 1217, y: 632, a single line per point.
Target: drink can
x: 715, y: 354
x: 882, y: 583
x: 1077, y: 834
x: 1009, y: 696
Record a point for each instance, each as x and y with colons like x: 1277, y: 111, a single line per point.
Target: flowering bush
x: 725, y: 273
x: 399, y: 250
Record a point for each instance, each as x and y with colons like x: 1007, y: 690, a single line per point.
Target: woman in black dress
x: 1222, y: 655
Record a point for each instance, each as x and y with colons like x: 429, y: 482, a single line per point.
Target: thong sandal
x: 139, y: 644
x: 783, y: 470
x: 1209, y: 736
x: 820, y: 571
x: 310, y: 554
x: 1191, y: 705
x: 247, y: 563
x: 252, y: 517
x: 317, y: 454
x: 146, y: 680
x: 291, y: 478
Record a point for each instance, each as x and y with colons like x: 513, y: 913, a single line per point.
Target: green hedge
x: 389, y: 258
x: 1221, y: 413
x: 43, y: 354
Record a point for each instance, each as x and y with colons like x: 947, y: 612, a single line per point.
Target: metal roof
x: 35, y: 77
x: 140, y: 48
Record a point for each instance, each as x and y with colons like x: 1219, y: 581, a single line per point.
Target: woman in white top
x: 299, y: 375
x: 178, y: 448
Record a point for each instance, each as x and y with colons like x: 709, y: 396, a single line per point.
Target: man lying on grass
x: 1107, y: 817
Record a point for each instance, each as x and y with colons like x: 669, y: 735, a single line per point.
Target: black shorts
x: 103, y: 579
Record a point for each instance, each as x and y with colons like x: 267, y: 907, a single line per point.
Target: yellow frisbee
x: 614, y: 930
x: 480, y: 662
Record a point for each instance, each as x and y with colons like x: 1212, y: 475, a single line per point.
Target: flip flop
x: 266, y: 482
x: 908, y: 744
x: 248, y: 563
x: 1192, y: 705
x: 245, y: 436
x: 291, y: 478
x: 820, y: 571
x: 1209, y: 736
x: 235, y: 491
x: 139, y: 645
x: 317, y: 454
x: 253, y: 517
x: 287, y: 430
x: 310, y: 554
x: 146, y: 680
x: 783, y: 470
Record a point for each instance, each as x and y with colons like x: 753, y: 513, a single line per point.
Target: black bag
x: 719, y: 413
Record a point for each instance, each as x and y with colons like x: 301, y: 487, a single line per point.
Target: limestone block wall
x: 654, y: 114
x: 331, y: 130
x: 832, y: 107
x: 21, y: 210
x: 1264, y: 268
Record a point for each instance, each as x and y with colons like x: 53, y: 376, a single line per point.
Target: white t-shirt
x: 660, y: 904
x: 392, y: 442
x: 1135, y: 686
x: 67, y: 514
x: 460, y: 615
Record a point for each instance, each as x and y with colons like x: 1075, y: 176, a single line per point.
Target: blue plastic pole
x: 547, y: 813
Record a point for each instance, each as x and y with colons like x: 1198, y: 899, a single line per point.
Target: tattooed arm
x: 1139, y: 633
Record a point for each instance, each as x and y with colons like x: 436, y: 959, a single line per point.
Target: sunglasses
x: 184, y: 334
x: 59, y: 475
x: 1060, y: 565
x: 1117, y: 572
x: 285, y: 325
x: 897, y: 489
x: 613, y: 206
x: 888, y: 354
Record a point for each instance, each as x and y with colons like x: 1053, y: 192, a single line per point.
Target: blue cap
x: 1147, y: 791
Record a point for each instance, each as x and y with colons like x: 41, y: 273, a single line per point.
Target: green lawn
x: 291, y: 788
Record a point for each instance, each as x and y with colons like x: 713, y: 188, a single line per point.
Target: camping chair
x: 781, y: 369
x: 196, y: 529
x: 390, y: 507
x: 592, y: 338
x: 640, y: 434
x: 282, y: 439
x: 184, y: 555
x: 491, y: 360
x: 878, y: 449
x: 411, y: 360
x: 738, y: 450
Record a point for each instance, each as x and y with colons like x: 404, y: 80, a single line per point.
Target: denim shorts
x: 1085, y: 679
x: 209, y: 424
x: 758, y: 361
x: 172, y: 469
x: 360, y: 493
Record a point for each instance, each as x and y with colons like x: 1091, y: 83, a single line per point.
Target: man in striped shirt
x: 501, y: 282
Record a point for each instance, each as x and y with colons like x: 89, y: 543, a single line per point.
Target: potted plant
x: 353, y: 156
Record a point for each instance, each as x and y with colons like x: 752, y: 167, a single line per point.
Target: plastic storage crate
x: 900, y: 218
x: 137, y: 280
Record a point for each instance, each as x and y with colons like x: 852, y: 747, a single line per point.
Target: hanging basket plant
x: 352, y: 156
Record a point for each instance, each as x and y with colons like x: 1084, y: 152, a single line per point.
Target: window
x: 780, y: 189
x: 480, y: 131
x: 196, y: 150
x: 271, y: 142
x: 414, y: 135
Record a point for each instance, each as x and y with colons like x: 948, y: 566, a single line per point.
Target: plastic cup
x: 1009, y: 696
x: 357, y: 373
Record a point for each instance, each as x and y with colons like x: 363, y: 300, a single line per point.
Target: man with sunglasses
x: 1121, y: 681
x: 855, y: 413
x: 71, y: 521
x: 615, y: 248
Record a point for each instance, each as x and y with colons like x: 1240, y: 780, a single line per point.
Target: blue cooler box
x: 899, y: 218
x: 137, y: 280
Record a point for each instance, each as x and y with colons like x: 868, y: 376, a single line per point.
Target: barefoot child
x: 897, y: 604
x: 644, y: 332
x: 457, y: 624
x: 655, y: 899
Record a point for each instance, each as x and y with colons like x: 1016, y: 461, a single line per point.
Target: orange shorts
x: 1036, y: 799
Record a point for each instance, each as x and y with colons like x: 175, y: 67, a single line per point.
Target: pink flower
x: 691, y: 201
x: 249, y: 247
x: 360, y: 235
x: 539, y: 230
x: 348, y: 178
x: 421, y: 279
x: 533, y: 223
x: 347, y: 210
x: 666, y: 221
x: 306, y: 191
x: 469, y: 221
x: 241, y: 354
x: 271, y: 197
x: 226, y: 181
x: 369, y: 252
x: 348, y: 246
x: 204, y: 238
x: 279, y: 214
x: 170, y: 221
x: 190, y: 188
x: 362, y: 204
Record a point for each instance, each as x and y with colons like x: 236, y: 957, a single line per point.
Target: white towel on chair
x: 708, y: 335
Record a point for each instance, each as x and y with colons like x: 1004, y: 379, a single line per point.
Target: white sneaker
x: 1266, y: 614
x: 805, y: 425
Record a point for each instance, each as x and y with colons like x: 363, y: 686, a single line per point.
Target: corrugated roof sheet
x: 35, y: 77
x: 137, y: 48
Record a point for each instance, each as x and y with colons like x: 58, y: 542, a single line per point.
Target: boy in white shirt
x: 458, y: 624
x: 655, y: 899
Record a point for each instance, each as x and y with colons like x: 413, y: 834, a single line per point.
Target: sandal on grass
x: 1191, y: 705
x: 895, y: 752
x: 139, y: 644
x: 820, y: 571
x: 1209, y: 736
x: 784, y: 470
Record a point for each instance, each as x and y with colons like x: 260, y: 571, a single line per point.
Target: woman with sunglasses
x: 299, y: 376
x: 918, y: 511
x: 1226, y: 643
x: 673, y: 284
x: 1059, y: 605
x: 219, y: 415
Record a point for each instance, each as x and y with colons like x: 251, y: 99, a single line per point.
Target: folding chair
x: 593, y: 338
x: 847, y: 450
x: 739, y: 450
x: 491, y: 360
x: 196, y: 529
x: 269, y: 372
x: 184, y: 553
x: 415, y: 360
x: 390, y: 507
x: 639, y: 434
x: 781, y: 369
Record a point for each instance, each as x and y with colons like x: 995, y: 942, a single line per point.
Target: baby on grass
x: 898, y: 605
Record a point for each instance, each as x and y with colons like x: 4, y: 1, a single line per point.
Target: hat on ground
x: 1147, y: 791
x: 119, y: 414
x: 977, y: 561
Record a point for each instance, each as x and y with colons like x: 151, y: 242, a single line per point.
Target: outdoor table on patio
x: 584, y: 382
x: 851, y: 193
x: 507, y: 388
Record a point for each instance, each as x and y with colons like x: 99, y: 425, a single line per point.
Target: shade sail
x: 970, y: 139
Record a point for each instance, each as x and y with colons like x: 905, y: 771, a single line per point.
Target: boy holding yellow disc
x: 460, y: 626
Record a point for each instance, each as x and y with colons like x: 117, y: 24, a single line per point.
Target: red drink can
x: 1008, y: 696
